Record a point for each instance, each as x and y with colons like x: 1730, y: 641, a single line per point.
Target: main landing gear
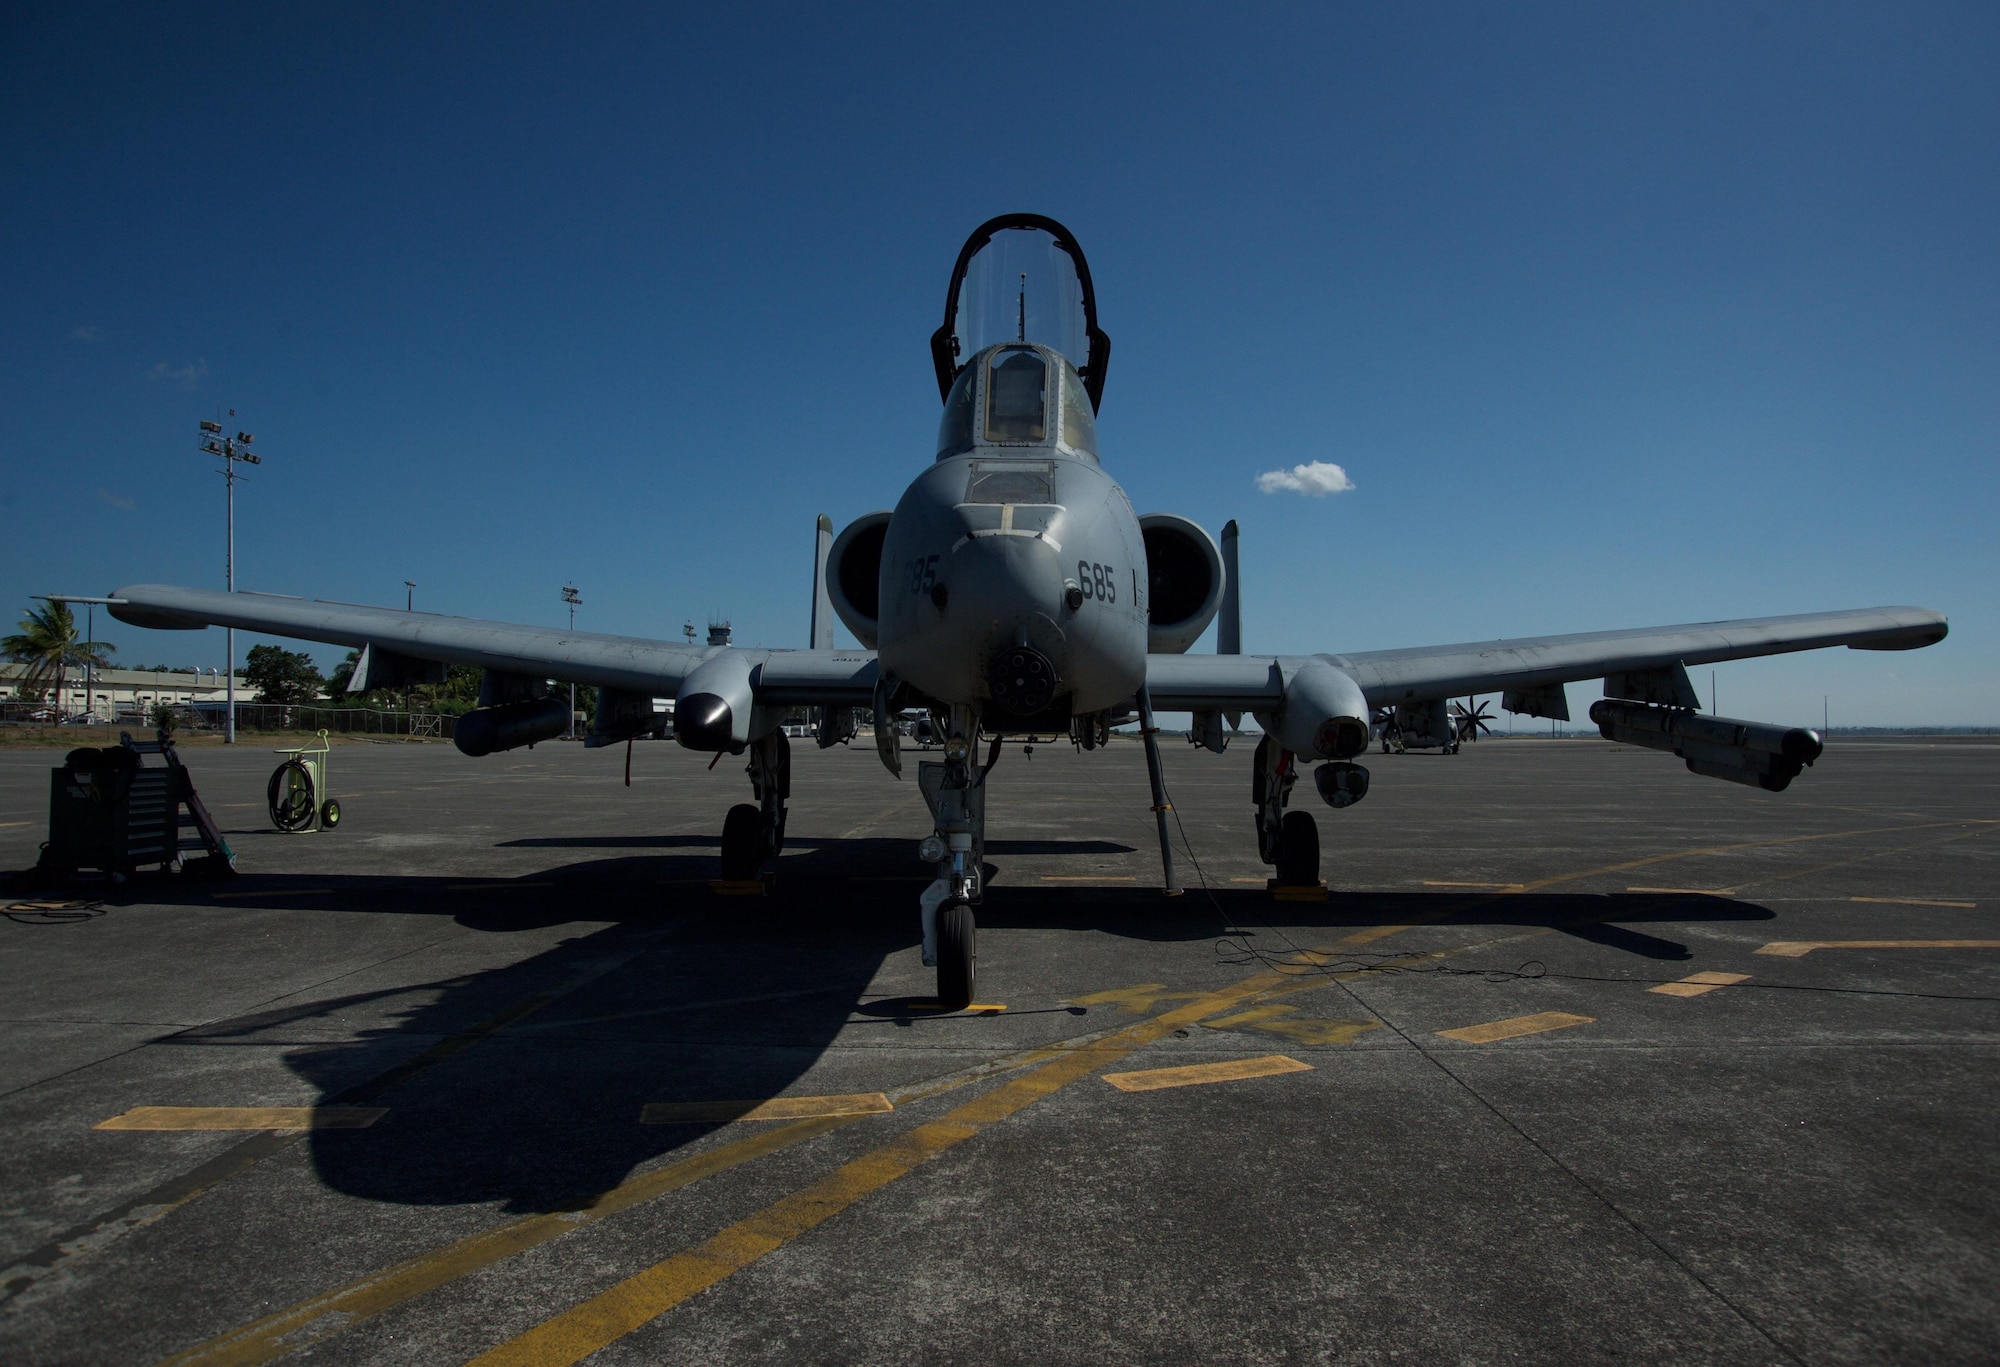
x: 1288, y: 841
x: 753, y: 835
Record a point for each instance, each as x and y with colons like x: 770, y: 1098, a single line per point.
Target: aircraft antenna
x: 1024, y: 307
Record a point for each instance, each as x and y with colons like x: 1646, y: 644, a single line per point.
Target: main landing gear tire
x: 956, y: 954
x: 742, y: 842
x: 1298, y: 850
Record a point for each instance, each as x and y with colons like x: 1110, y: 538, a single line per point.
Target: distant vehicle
x: 1014, y: 591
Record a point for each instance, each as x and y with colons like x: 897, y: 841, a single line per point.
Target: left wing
x: 631, y: 663
x: 1251, y: 683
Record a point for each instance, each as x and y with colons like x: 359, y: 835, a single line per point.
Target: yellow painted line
x: 609, y: 1316
x: 1699, y: 984
x: 1196, y: 1074
x: 1915, y: 902
x: 1260, y: 882
x: 333, y: 1311
x: 1798, y: 949
x: 774, y: 1108
x: 1089, y: 878
x: 278, y: 892
x: 16, y: 823
x: 1538, y: 884
x: 1445, y: 883
x: 245, y: 1118
x: 1689, y: 892
x: 1515, y: 1027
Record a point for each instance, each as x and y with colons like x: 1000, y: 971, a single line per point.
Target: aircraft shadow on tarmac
x: 523, y: 1085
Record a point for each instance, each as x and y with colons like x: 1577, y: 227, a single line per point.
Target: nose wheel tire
x: 956, y: 955
x: 742, y: 842
x: 1298, y: 850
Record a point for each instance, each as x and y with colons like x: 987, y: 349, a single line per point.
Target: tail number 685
x: 1098, y: 581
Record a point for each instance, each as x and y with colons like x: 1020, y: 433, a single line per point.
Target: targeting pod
x: 1340, y: 783
x: 1754, y: 753
x: 510, y: 725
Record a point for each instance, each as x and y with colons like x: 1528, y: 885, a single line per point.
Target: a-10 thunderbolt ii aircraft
x: 1013, y: 591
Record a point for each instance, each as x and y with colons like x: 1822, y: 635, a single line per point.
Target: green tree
x: 47, y: 644
x: 286, y: 677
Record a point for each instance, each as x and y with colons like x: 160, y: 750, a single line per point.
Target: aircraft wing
x: 632, y: 663
x: 1251, y: 683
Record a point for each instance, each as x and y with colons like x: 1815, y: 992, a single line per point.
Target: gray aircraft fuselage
x: 1015, y: 544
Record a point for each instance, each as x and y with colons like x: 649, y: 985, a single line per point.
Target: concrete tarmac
x: 1446, y: 1115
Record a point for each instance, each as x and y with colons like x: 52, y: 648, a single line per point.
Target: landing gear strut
x: 955, y: 791
x: 751, y: 835
x: 1289, y: 841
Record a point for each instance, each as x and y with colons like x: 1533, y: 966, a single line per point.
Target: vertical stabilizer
x: 822, y: 614
x: 1229, y: 622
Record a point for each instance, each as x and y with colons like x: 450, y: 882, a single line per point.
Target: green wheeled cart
x: 298, y: 793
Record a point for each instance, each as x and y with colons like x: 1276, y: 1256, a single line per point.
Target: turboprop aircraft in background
x: 1013, y: 591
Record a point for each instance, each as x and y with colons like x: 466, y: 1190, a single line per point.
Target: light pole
x: 575, y: 601
x: 232, y: 450
x: 409, y: 595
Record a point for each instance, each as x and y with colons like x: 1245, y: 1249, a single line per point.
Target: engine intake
x: 1184, y: 582
x: 1749, y: 752
x: 854, y: 575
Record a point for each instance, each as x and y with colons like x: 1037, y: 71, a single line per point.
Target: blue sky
x: 1614, y: 315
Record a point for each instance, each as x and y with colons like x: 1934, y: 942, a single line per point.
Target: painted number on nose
x: 1098, y: 581
x: 923, y: 573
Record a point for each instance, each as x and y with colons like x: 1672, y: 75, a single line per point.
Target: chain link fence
x: 200, y: 717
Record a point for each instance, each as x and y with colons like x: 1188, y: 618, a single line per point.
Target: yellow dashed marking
x: 245, y: 1118
x: 1798, y: 949
x: 775, y: 1108
x: 1699, y: 984
x: 1196, y: 1074
x: 1915, y: 902
x: 1689, y: 892
x: 1282, y: 1020
x: 1089, y: 878
x: 1498, y: 887
x: 1516, y: 1026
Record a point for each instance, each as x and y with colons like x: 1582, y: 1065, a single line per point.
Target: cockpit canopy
x: 1018, y: 395
x: 1021, y: 279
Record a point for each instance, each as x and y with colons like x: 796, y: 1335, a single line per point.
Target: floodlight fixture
x: 208, y: 426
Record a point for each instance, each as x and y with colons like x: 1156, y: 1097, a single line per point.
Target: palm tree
x: 47, y: 644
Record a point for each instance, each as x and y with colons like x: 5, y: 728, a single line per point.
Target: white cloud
x: 1313, y: 480
x: 85, y: 333
x: 186, y: 376
x: 116, y: 500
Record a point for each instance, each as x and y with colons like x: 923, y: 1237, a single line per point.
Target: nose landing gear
x: 955, y: 792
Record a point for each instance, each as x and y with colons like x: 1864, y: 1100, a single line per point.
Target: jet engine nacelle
x: 854, y: 575
x: 1749, y: 752
x: 1325, y: 714
x: 1184, y: 582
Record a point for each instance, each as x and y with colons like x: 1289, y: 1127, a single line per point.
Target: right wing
x: 632, y: 663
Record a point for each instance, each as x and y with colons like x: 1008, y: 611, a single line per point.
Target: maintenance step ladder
x: 110, y: 812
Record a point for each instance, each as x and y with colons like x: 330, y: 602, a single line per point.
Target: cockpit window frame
x: 996, y: 358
